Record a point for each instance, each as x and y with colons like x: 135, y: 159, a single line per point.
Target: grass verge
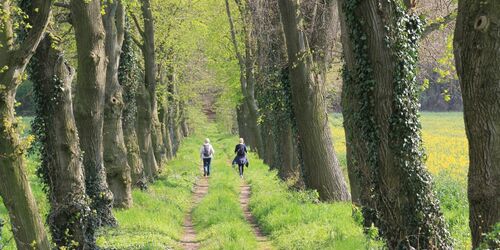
x: 295, y: 220
x: 156, y: 218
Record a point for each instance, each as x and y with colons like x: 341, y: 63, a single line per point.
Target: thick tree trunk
x: 144, y: 133
x: 15, y: 190
x: 62, y: 168
x: 150, y: 79
x: 288, y: 167
x: 128, y: 78
x: 240, y: 118
x: 89, y: 102
x: 14, y: 187
x: 385, y: 155
x: 477, y: 56
x: 115, y: 152
x: 322, y: 169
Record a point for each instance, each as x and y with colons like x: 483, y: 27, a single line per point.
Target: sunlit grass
x: 219, y: 217
x: 156, y: 218
x: 294, y: 220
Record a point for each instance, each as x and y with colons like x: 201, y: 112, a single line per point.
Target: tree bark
x: 144, y: 132
x: 150, y: 80
x: 15, y: 190
x: 62, y: 167
x: 167, y: 138
x: 322, y: 169
x: 247, y: 79
x: 477, y: 56
x: 380, y: 107
x: 115, y: 152
x: 89, y: 103
x: 129, y: 79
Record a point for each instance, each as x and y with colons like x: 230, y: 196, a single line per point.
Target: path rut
x: 245, y: 193
x: 189, y: 241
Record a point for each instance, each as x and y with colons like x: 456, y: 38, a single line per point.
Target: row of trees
x: 110, y: 140
x: 283, y: 48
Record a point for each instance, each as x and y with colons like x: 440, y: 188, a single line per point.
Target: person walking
x: 241, y: 156
x: 207, y: 153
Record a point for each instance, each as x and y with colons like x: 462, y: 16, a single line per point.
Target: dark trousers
x: 206, y: 166
x: 241, y: 167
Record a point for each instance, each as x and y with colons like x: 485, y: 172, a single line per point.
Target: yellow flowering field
x: 444, y: 141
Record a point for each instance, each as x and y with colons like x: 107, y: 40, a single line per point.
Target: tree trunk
x: 385, y: 154
x: 115, y: 152
x: 477, y: 53
x: 247, y: 80
x: 321, y: 31
x: 15, y: 190
x: 322, y: 169
x: 128, y: 78
x: 62, y: 168
x: 14, y: 187
x: 150, y: 79
x: 89, y: 103
x: 167, y: 139
x: 240, y: 118
x: 144, y: 132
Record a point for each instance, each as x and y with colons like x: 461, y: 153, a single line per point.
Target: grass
x: 156, y: 218
x: 294, y: 220
x: 219, y: 217
x: 447, y: 160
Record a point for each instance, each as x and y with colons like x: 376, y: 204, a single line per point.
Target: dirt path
x: 245, y: 193
x: 189, y: 241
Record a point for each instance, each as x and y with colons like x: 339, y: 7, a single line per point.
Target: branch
x: 29, y: 45
x: 120, y: 23
x: 137, y: 24
x: 437, y: 25
x: 233, y: 35
x: 62, y: 5
x: 137, y: 42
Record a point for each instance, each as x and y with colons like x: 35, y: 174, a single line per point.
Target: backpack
x: 241, y: 151
x: 206, y: 150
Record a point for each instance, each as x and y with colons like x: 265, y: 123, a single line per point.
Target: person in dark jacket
x: 241, y: 156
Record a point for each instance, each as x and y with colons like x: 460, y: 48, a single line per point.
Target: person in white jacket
x: 206, y: 153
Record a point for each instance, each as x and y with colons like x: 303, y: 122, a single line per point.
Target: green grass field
x: 292, y: 220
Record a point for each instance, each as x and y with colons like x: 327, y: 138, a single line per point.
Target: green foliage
x: 295, y: 220
x: 492, y: 239
x: 24, y: 95
x: 2, y: 223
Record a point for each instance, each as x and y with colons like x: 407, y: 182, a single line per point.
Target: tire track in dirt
x: 245, y: 193
x: 189, y: 241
